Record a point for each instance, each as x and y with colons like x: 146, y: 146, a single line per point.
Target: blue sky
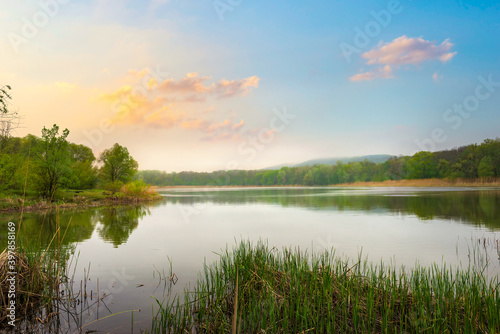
x: 197, y: 85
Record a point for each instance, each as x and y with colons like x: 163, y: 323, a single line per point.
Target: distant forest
x: 469, y: 162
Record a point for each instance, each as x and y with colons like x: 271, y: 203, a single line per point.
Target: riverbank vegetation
x: 258, y: 289
x: 468, y: 164
x: 32, y: 279
x: 41, y: 173
x: 37, y: 275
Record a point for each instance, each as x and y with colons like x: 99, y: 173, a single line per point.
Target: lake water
x: 120, y: 251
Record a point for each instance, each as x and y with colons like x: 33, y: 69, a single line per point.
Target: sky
x: 238, y: 84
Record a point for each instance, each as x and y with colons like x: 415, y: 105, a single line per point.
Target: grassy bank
x: 485, y: 182
x: 12, y: 202
x: 254, y: 289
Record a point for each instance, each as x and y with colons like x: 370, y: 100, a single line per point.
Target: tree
x: 8, y: 119
x: 52, y: 161
x: 444, y: 168
x: 422, y: 166
x: 282, y: 176
x: 4, y: 97
x: 308, y: 179
x: 117, y: 165
x: 486, y: 167
x: 83, y: 173
x: 491, y: 148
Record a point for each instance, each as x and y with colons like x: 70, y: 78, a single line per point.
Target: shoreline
x: 41, y: 205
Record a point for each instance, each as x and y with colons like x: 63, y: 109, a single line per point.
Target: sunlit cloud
x: 227, y: 88
x: 192, y: 83
x: 164, y: 118
x: 195, y: 124
x: 404, y: 50
x: 121, y: 93
x: 238, y: 126
x: 382, y: 72
x: 215, y: 131
x: 177, y: 103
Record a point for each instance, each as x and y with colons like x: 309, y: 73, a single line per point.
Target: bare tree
x: 9, y: 120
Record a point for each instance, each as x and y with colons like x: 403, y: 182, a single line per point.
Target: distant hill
x: 377, y: 158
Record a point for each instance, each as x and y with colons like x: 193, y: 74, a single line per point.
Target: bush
x: 114, y: 186
x: 137, y: 189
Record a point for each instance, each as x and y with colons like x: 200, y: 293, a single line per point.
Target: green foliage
x: 51, y: 161
x: 113, y: 186
x: 83, y: 172
x: 308, y: 179
x: 117, y: 164
x: 486, y: 167
x: 136, y: 189
x: 8, y: 167
x: 444, y: 168
x: 422, y: 166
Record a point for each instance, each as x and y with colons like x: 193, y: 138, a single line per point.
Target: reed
x: 47, y: 297
x: 254, y: 289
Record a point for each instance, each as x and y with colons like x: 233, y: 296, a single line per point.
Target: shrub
x: 137, y: 189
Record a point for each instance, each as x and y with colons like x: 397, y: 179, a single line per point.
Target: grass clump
x: 30, y: 281
x: 37, y: 280
x: 138, y: 189
x: 254, y: 289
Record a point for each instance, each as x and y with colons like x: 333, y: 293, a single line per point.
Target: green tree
x: 282, y: 176
x: 422, y: 166
x: 491, y: 147
x: 8, y: 168
x: 51, y: 161
x: 486, y: 167
x: 117, y: 165
x: 444, y: 168
x: 308, y: 179
x: 83, y: 172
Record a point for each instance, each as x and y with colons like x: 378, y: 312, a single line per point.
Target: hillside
x: 376, y: 158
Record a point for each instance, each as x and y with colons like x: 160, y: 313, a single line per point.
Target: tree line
x: 45, y: 164
x: 468, y: 162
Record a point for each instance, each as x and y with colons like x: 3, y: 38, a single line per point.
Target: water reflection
x: 476, y: 207
x: 116, y: 224
x: 113, y: 225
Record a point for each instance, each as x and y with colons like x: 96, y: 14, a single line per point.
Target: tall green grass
x: 290, y: 291
x: 48, y: 300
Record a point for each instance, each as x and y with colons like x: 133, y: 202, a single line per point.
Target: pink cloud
x: 226, y: 88
x: 382, y: 72
x: 404, y: 50
x: 190, y: 84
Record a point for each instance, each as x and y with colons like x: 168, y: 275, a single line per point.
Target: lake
x: 126, y: 252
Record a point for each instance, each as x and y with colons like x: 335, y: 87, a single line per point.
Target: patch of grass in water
x: 290, y: 291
